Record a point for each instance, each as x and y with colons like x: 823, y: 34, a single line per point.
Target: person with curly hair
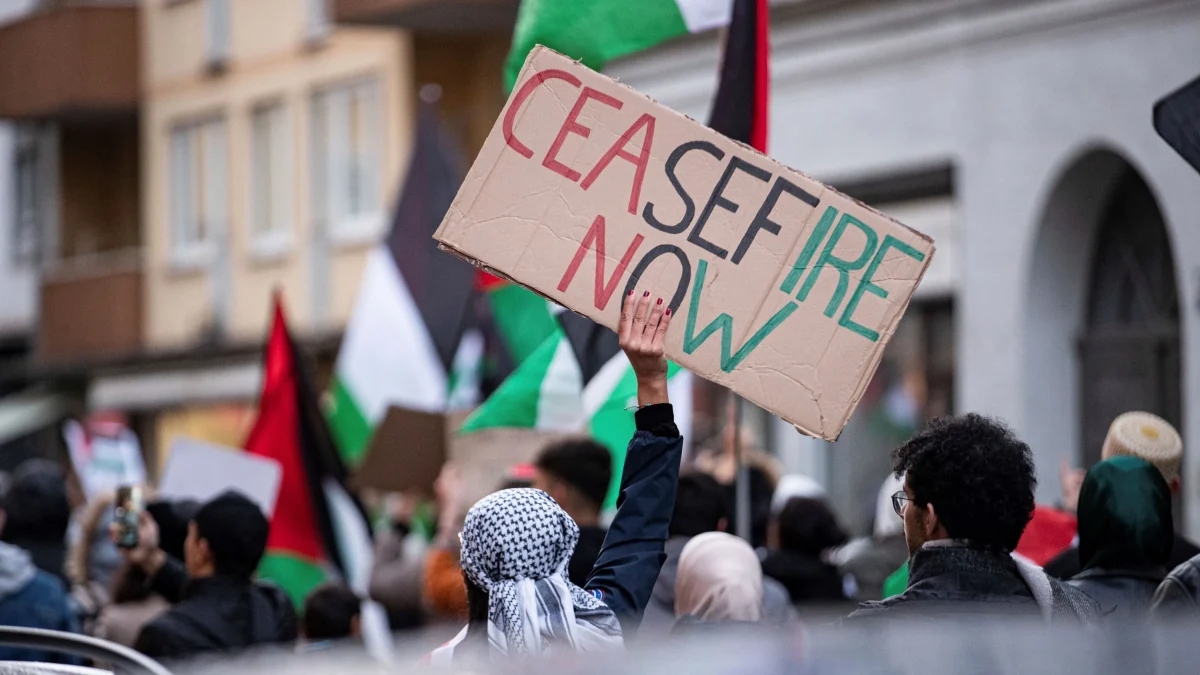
x: 968, y: 494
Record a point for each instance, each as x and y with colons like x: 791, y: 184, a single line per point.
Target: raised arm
x: 633, y: 554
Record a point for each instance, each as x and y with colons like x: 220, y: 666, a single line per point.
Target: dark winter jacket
x: 951, y: 580
x: 215, y: 614
x: 807, y: 579
x: 1066, y: 564
x: 1179, y: 593
x: 32, y: 598
x: 633, y: 551
x: 1125, y: 535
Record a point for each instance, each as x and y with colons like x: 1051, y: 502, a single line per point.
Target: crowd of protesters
x: 536, y: 568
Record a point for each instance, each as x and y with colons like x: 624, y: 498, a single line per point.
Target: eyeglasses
x: 899, y: 500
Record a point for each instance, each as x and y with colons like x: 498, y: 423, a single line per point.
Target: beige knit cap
x: 1146, y: 436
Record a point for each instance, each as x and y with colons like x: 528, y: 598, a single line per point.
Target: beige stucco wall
x: 271, y: 61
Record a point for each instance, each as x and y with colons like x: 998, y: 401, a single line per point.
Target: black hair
x: 35, y: 504
x: 581, y: 463
x: 236, y: 532
x: 977, y: 474
x: 172, y: 518
x: 700, y: 505
x: 329, y: 612
x: 808, y: 526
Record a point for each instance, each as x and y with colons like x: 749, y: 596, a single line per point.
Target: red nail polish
x: 631, y: 292
x: 668, y: 312
x: 646, y: 294
x: 659, y: 301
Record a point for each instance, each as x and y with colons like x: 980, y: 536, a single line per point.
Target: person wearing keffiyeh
x: 516, y: 543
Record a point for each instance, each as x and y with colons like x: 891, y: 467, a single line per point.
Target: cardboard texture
x: 406, y: 452
x: 200, y: 471
x: 781, y: 288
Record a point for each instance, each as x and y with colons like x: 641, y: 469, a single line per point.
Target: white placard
x: 201, y: 471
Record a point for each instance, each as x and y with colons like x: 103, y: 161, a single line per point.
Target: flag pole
x: 742, y: 485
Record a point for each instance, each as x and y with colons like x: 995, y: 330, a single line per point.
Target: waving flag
x: 578, y: 380
x: 598, y: 31
x: 412, y: 305
x: 318, y: 530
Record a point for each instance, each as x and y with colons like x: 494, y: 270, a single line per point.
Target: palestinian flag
x: 521, y: 318
x: 318, y: 530
x: 412, y: 306
x: 578, y: 380
x: 740, y: 107
x: 598, y: 31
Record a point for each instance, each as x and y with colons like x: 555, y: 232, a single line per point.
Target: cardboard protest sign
x: 781, y: 288
x: 201, y: 471
x: 406, y: 452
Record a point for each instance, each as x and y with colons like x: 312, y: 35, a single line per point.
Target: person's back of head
x: 808, y: 527
x: 794, y: 485
x: 967, y: 477
x: 1125, y: 519
x: 516, y: 545
x: 332, y: 612
x: 172, y: 517
x: 700, y: 506
x: 577, y: 473
x: 719, y: 579
x: 1148, y: 437
x: 228, y: 536
x: 35, y: 505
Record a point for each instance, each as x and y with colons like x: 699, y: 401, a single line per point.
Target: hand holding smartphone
x: 128, y: 514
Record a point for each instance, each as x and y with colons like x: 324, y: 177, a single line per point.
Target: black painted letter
x: 689, y: 207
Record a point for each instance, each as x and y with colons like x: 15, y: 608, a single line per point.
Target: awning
x: 29, y: 411
x: 170, y: 387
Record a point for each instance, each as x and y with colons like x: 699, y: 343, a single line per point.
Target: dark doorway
x: 1129, y: 352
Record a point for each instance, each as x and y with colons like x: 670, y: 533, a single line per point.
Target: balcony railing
x: 91, y: 307
x: 446, y: 16
x: 70, y: 59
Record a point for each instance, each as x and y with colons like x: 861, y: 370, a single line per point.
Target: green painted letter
x: 843, y: 267
x: 810, y: 247
x: 865, y: 284
x: 724, y: 323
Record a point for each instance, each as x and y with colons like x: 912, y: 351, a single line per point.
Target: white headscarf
x: 794, y: 485
x: 719, y: 579
x: 516, y: 545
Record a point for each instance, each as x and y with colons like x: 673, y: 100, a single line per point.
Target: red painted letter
x: 604, y: 289
x: 639, y: 162
x: 572, y: 125
x: 523, y: 93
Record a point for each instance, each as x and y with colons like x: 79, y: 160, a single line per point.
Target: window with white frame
x: 272, y: 206
x: 347, y: 137
x: 198, y: 172
x: 217, y: 44
x: 317, y: 25
x: 27, y: 198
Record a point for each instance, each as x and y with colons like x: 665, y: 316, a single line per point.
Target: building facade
x: 1019, y: 135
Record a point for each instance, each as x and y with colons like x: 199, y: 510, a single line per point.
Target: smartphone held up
x: 127, y: 514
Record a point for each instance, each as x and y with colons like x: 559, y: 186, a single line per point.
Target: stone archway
x: 1129, y: 348
x: 1093, y: 188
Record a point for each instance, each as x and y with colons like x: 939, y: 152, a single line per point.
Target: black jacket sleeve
x: 633, y: 554
x: 170, y: 580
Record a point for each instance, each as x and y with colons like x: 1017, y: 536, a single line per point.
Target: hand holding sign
x: 642, y: 331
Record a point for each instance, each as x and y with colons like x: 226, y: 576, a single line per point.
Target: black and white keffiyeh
x: 516, y: 545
